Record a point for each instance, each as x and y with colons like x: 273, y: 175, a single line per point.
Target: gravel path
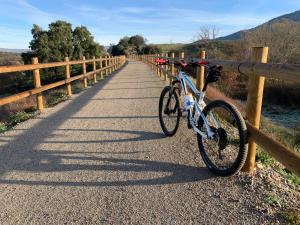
x: 101, y: 158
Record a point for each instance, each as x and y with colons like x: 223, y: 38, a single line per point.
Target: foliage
x: 53, y: 45
x: 150, y: 49
x: 132, y: 46
x: 84, y: 44
x: 3, y: 127
x: 60, y: 41
x: 18, y: 118
x: 292, y: 216
x: 77, y: 86
x: 55, y: 96
x: 7, y: 80
x: 273, y: 199
x: 169, y: 48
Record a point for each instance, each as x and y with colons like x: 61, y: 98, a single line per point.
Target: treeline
x: 59, y: 41
x: 53, y: 45
x: 134, y: 45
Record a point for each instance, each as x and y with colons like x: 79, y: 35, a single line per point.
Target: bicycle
x: 220, y: 128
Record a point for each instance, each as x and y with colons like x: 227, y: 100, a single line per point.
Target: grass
x: 15, y: 119
x: 291, y: 216
x: 77, y: 87
x: 267, y: 160
x: 3, y: 127
x: 288, y: 137
x: 56, y: 96
x: 19, y: 117
x: 273, y: 199
x: 170, y: 47
x: 21, y: 111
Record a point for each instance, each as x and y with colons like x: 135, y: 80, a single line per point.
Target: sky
x: 159, y: 21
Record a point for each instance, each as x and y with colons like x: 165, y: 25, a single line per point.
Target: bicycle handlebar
x: 181, y: 62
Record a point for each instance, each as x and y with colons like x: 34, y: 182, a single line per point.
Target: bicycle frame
x: 185, y: 82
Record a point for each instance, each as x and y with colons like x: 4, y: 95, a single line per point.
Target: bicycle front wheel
x: 225, y: 153
x: 169, y: 111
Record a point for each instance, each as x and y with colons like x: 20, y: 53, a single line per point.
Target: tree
x: 138, y: 41
x: 206, y: 34
x: 150, y: 49
x: 84, y: 44
x: 131, y: 46
x: 56, y: 43
x: 39, y: 44
x: 60, y: 40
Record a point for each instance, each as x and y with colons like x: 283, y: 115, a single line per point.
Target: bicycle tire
x: 172, y: 92
x: 242, y: 131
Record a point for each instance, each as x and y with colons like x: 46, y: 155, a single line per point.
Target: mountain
x: 291, y: 17
x: 14, y: 50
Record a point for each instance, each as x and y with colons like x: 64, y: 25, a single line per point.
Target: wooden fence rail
x: 110, y: 65
x: 257, y: 70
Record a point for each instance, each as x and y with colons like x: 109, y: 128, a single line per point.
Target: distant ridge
x: 19, y: 51
x: 292, y: 17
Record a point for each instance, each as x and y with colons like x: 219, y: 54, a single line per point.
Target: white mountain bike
x: 220, y: 127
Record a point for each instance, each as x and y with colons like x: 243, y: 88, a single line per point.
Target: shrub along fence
x: 257, y: 70
x: 106, y: 65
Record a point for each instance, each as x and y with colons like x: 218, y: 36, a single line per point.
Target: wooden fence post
x: 37, y: 84
x: 200, y: 73
x: 84, y: 73
x: 172, y: 68
x: 115, y: 63
x: 181, y: 56
x: 106, y: 65
x: 160, y: 70
x: 110, y: 64
x: 157, y: 68
x: 153, y: 61
x: 166, y: 68
x: 101, y: 65
x: 254, y: 103
x: 94, y: 69
x: 68, y: 75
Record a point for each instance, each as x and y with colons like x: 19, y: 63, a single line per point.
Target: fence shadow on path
x: 17, y: 156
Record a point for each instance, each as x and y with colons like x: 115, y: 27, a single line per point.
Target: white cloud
x: 108, y: 25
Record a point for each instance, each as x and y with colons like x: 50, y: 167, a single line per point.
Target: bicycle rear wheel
x: 226, y: 152
x: 169, y: 111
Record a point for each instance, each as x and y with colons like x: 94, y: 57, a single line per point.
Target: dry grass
x: 26, y: 104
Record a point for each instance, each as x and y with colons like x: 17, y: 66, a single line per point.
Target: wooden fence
x: 106, y: 65
x: 257, y: 70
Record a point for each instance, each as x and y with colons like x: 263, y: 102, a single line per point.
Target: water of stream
x: 288, y: 117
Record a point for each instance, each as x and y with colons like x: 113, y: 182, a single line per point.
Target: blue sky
x: 160, y: 21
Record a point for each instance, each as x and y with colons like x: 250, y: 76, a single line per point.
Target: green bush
x: 77, y: 87
x: 56, y: 96
x: 3, y: 127
x: 18, y: 118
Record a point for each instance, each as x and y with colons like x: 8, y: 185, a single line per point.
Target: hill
x: 13, y: 50
x: 287, y: 18
x: 169, y: 47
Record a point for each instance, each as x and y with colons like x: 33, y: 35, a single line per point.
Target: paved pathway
x: 101, y: 158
